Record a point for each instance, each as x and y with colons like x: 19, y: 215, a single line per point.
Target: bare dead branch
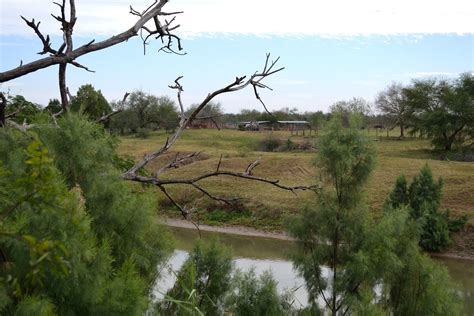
x: 22, y: 127
x: 106, y: 118
x: 44, y: 40
x: 219, y: 163
x: 66, y: 53
x: 13, y: 114
x: 252, y: 166
x: 75, y: 63
x: 182, y: 209
x: 243, y: 175
x: 177, y: 162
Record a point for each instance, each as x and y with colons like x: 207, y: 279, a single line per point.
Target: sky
x: 331, y: 50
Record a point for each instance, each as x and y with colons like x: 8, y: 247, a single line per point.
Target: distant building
x: 278, y: 125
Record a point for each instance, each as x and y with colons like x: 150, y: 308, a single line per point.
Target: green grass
x: 269, y: 205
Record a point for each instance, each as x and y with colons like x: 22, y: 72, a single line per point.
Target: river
x: 272, y: 254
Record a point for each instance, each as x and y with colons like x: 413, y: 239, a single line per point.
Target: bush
x: 269, y: 144
x: 255, y: 296
x: 205, y: 278
x: 423, y: 199
x: 143, y: 133
x: 58, y: 262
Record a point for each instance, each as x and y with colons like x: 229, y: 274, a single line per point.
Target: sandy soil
x: 233, y: 230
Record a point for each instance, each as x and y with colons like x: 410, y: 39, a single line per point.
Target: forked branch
x: 239, y: 83
x: 67, y: 54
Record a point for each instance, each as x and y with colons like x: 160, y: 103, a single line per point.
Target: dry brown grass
x: 395, y: 157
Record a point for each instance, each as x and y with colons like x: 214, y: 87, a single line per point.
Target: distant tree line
x: 439, y: 109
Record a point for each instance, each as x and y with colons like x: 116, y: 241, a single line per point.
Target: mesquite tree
x: 392, y: 102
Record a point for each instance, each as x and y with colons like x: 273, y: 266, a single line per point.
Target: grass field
x: 263, y: 205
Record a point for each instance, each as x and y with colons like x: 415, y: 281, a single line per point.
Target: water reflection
x: 271, y: 254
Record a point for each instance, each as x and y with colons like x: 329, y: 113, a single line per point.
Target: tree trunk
x: 402, y: 131
x: 3, y: 105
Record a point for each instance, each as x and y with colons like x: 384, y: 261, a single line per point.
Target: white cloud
x: 262, y: 17
x: 422, y: 74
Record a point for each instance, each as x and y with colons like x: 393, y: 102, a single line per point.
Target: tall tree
x: 392, y: 102
x: 21, y: 110
x: 334, y: 230
x: 336, y: 233
x: 443, y: 109
x: 91, y: 102
x: 352, y: 106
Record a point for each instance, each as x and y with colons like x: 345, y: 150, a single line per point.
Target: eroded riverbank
x: 280, y: 235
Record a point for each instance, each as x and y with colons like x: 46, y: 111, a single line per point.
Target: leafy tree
x: 145, y: 111
x: 86, y: 156
x: 53, y: 257
x: 25, y: 109
x: 90, y: 101
x: 393, y: 103
x: 412, y: 283
x: 345, y: 109
x: 443, y: 110
x: 359, y: 252
x: 212, y: 112
x: 164, y: 114
x: 316, y: 119
x: 54, y: 106
x: 256, y: 296
x: 333, y: 232
x: 207, y: 273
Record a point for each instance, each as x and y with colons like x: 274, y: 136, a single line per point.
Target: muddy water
x: 271, y: 254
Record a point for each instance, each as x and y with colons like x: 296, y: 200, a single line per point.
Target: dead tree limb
x: 67, y: 54
x: 239, y: 83
x: 105, y: 118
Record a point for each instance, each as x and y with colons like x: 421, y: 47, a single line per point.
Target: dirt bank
x: 234, y: 230
x: 247, y: 231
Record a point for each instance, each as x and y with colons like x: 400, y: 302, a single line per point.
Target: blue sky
x: 323, y: 64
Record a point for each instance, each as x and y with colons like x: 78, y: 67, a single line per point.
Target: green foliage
x: 393, y: 104
x: 335, y: 231
x: 443, y: 110
x: 25, y: 109
x: 54, y: 106
x: 399, y: 196
x: 347, y: 109
x: 46, y: 237
x: 421, y: 287
x: 255, y: 296
x: 91, y: 102
x: 269, y: 143
x: 206, y: 275
x: 35, y: 306
x: 143, y: 112
x: 423, y: 199
x: 361, y: 253
x: 347, y: 158
x: 86, y: 156
x: 74, y: 237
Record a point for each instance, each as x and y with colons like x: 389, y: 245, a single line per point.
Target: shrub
x: 143, y: 133
x: 269, y: 144
x: 255, y: 296
x: 206, y: 274
x: 423, y: 199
